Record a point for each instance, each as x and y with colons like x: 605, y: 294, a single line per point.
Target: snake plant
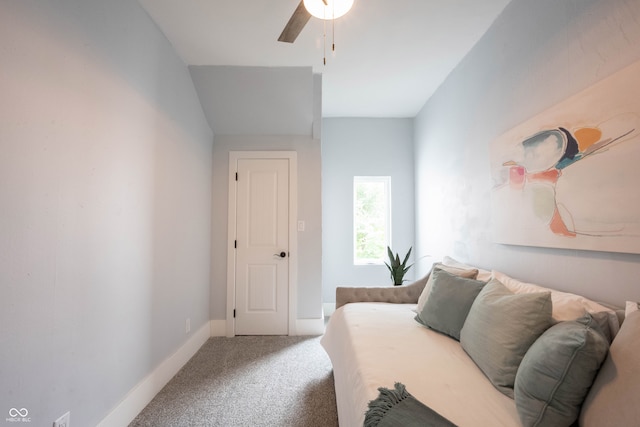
x: 396, y: 268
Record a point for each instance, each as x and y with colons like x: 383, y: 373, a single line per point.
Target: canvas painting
x: 570, y: 177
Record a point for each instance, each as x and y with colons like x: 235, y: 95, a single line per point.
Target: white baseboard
x: 139, y: 396
x: 218, y: 328
x: 303, y: 327
x: 309, y: 326
x: 328, y: 308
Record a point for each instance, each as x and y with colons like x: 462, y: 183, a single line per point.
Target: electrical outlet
x: 63, y: 421
x: 187, y: 326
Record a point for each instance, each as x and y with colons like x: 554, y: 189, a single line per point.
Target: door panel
x: 262, y: 223
x: 262, y: 292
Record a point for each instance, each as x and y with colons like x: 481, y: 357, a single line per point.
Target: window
x: 371, y: 218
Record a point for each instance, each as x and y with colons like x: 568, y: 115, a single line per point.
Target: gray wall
x: 105, y: 207
x: 360, y: 147
x: 535, y: 55
x: 256, y: 100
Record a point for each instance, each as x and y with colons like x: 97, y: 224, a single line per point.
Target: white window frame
x: 386, y: 180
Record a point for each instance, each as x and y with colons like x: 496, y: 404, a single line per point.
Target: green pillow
x: 500, y: 328
x: 557, y: 372
x: 422, y: 300
x: 449, y: 302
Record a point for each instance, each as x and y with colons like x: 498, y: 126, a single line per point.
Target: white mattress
x: 374, y: 345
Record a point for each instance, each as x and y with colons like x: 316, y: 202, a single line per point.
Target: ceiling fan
x: 323, y: 9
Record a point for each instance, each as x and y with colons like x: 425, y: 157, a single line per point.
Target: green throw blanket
x: 398, y: 408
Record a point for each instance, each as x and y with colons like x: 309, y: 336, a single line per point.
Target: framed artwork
x: 570, y: 176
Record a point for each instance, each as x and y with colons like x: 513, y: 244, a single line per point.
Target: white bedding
x: 374, y: 345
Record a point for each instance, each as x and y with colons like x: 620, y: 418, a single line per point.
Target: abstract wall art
x: 570, y: 176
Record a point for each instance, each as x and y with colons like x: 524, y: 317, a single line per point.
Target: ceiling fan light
x: 332, y: 10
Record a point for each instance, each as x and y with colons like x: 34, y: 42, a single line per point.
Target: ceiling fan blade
x: 295, y: 25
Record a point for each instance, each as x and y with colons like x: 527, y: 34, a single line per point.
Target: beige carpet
x: 249, y: 381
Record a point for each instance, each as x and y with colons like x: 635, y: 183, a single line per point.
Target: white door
x: 262, y: 247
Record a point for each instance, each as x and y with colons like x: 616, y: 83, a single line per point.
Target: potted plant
x: 397, y: 268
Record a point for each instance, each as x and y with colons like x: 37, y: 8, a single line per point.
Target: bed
x: 377, y: 344
x: 374, y: 341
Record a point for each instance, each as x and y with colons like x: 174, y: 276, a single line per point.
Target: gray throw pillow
x: 613, y: 398
x: 500, y: 328
x: 422, y: 300
x: 557, y: 372
x: 449, y: 302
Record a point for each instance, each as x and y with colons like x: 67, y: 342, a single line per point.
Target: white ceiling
x: 390, y: 55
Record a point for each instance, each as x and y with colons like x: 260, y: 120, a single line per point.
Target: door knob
x: 281, y: 254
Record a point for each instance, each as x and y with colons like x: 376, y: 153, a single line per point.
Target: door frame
x: 234, y: 156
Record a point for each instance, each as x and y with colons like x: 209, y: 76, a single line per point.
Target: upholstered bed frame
x: 408, y: 294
